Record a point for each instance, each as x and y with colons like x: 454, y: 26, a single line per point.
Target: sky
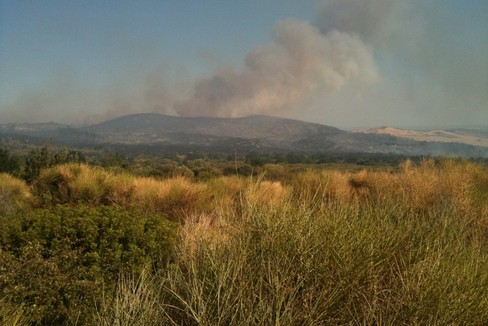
x: 345, y: 63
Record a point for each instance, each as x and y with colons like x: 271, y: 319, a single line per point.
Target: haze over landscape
x: 343, y: 63
x: 252, y: 162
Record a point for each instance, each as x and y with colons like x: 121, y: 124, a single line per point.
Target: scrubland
x: 83, y: 245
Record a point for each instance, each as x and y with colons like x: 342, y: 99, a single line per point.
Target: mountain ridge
x: 255, y: 126
x: 251, y: 133
x: 463, y: 136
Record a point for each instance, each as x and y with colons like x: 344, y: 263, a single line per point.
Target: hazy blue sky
x: 347, y: 63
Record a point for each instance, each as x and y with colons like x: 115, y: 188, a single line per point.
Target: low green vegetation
x: 293, y: 244
x: 57, y: 264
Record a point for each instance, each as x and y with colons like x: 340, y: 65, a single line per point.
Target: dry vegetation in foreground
x: 328, y: 247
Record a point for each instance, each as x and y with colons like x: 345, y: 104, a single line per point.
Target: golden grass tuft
x: 226, y: 192
x: 201, y: 231
x: 269, y: 194
x: 14, y: 194
x: 320, y: 187
x: 13, y: 315
x: 176, y: 197
x: 80, y: 183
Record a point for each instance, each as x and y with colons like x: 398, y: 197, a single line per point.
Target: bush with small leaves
x: 59, y: 263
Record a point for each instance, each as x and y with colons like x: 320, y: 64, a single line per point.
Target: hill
x: 253, y: 131
x: 476, y: 137
x: 157, y: 133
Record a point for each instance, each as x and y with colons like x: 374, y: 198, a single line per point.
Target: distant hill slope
x: 463, y: 136
x: 252, y: 127
x: 157, y: 133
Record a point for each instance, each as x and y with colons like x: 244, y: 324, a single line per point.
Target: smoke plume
x: 371, y: 19
x: 300, y: 61
x: 436, y: 50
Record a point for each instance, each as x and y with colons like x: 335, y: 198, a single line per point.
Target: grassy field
x: 83, y: 245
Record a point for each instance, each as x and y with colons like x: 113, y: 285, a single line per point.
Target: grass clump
x: 353, y: 263
x: 15, y: 195
x: 135, y: 303
x: 177, y: 197
x: 82, y: 184
x: 12, y: 315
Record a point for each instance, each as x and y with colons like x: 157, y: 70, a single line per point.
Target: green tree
x: 7, y: 163
x: 42, y: 158
x: 35, y: 161
x: 256, y: 159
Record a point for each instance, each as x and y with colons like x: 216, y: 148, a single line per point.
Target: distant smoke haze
x: 437, y: 74
x: 370, y: 19
x: 279, y: 76
x: 357, y: 63
x: 438, y: 57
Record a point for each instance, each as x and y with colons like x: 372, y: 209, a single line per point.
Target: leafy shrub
x: 7, y: 163
x: 57, y: 263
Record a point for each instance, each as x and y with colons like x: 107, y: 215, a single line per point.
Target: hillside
x: 463, y: 136
x: 148, y: 127
x: 157, y: 133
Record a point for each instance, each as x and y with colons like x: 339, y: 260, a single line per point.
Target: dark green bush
x: 7, y: 162
x: 59, y: 263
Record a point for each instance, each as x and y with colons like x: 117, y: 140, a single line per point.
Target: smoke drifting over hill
x: 439, y: 66
x: 278, y: 76
x: 347, y: 63
x: 439, y: 54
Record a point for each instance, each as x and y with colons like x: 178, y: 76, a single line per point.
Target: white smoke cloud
x: 437, y: 51
x: 300, y: 61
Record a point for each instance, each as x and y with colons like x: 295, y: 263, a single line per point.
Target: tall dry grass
x: 406, y: 246
x: 80, y: 183
x: 12, y: 315
x: 135, y: 303
x: 14, y: 194
x: 354, y: 262
x: 400, y: 248
x: 178, y: 197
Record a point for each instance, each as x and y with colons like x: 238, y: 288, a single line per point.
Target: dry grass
x: 355, y: 262
x: 268, y: 194
x: 11, y: 315
x: 202, y: 229
x: 400, y: 247
x: 176, y: 197
x: 14, y: 194
x: 460, y: 185
x: 415, y: 188
x: 135, y: 303
x: 340, y: 248
x: 79, y: 183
